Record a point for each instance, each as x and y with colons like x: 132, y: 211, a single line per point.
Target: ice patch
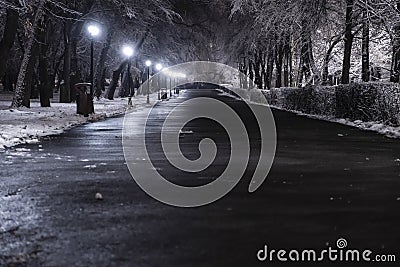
x: 185, y: 132
x: 22, y: 149
x: 90, y: 166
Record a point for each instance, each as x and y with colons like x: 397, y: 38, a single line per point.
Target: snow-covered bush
x: 388, y: 103
x: 356, y: 101
x: 310, y: 100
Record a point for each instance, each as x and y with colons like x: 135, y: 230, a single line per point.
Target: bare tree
x: 22, y: 90
x: 10, y: 31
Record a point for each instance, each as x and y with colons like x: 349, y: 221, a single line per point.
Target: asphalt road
x: 328, y: 181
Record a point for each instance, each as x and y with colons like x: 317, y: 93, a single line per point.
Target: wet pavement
x: 328, y: 181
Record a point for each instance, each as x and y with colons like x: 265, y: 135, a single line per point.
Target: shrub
x: 356, y: 101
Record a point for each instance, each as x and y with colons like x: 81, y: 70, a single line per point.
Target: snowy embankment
x: 374, y: 126
x: 372, y: 107
x: 29, y: 125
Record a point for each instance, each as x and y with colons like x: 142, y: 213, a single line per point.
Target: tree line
x: 281, y: 39
x: 44, y: 43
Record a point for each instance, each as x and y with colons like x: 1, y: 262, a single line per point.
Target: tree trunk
x: 278, y: 63
x: 327, y: 58
x: 305, y: 55
x: 57, y: 73
x: 316, y: 75
x: 257, y: 69
x: 65, y: 94
x: 300, y: 70
x: 54, y: 62
x: 395, y: 68
x: 22, y: 94
x: 263, y: 70
x: 33, y: 82
x: 287, y: 62
x: 251, y: 72
x: 240, y: 73
x: 245, y: 72
x: 366, y: 74
x: 290, y: 59
x: 115, y: 79
x: 124, y: 88
x: 270, y: 68
x: 99, y: 79
x: 127, y: 83
x: 20, y: 38
x: 44, y: 87
x: 75, y: 71
x: 6, y: 43
x: 348, y: 42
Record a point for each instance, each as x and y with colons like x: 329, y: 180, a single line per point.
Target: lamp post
x: 170, y: 82
x: 94, y: 31
x: 128, y: 52
x: 148, y: 65
x: 178, y: 76
x: 159, y: 67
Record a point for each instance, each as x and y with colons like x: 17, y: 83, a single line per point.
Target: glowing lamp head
x: 159, y: 67
x: 148, y: 63
x: 127, y: 51
x: 93, y: 30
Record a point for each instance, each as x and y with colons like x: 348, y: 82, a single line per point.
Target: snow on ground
x: 223, y: 93
x: 389, y: 131
x: 374, y: 126
x: 29, y: 125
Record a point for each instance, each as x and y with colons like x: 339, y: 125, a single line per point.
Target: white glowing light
x: 128, y: 51
x: 93, y: 30
x: 159, y: 67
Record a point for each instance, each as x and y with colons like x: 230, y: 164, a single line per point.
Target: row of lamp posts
x: 94, y: 31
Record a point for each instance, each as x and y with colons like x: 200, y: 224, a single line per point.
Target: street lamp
x: 128, y: 52
x: 148, y: 65
x: 94, y: 31
x: 176, y: 76
x: 159, y: 67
